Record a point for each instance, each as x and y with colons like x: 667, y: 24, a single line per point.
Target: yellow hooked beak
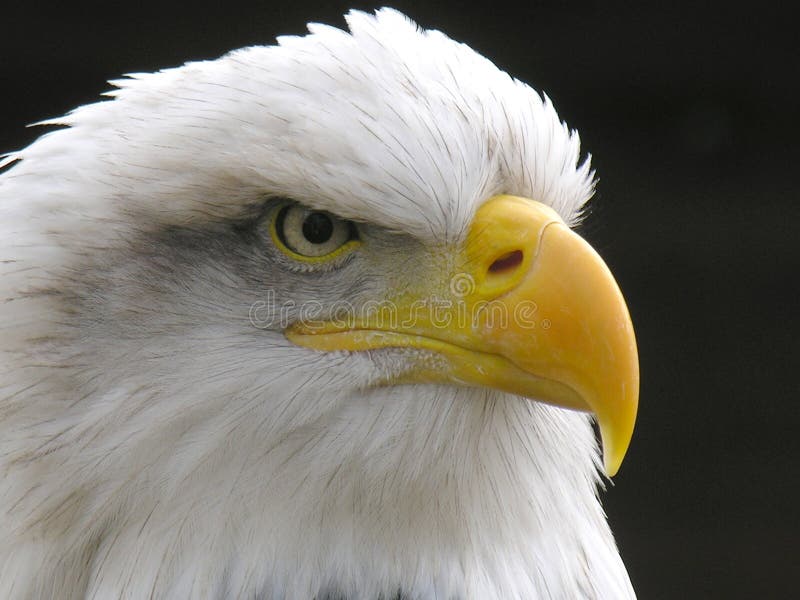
x: 529, y: 308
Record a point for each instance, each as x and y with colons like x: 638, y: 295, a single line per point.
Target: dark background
x: 690, y: 115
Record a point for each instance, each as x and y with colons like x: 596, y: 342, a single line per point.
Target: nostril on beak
x: 507, y: 262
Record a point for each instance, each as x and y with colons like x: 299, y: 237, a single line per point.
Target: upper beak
x: 530, y: 309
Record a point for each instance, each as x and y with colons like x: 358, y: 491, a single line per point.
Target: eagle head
x: 309, y: 321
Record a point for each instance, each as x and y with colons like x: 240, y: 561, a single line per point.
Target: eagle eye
x: 311, y: 235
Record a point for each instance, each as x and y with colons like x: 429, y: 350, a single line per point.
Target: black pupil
x: 317, y: 228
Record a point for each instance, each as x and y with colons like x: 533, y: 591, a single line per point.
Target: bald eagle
x: 309, y: 322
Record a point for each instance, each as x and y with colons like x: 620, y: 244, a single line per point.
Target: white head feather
x: 152, y: 441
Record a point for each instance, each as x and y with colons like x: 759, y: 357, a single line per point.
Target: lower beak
x: 531, y: 309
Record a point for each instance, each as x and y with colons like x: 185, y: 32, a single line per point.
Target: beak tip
x: 610, y: 466
x: 615, y: 441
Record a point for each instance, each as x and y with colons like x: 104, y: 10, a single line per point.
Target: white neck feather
x: 438, y: 492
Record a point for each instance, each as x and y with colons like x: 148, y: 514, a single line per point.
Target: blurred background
x: 690, y: 114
